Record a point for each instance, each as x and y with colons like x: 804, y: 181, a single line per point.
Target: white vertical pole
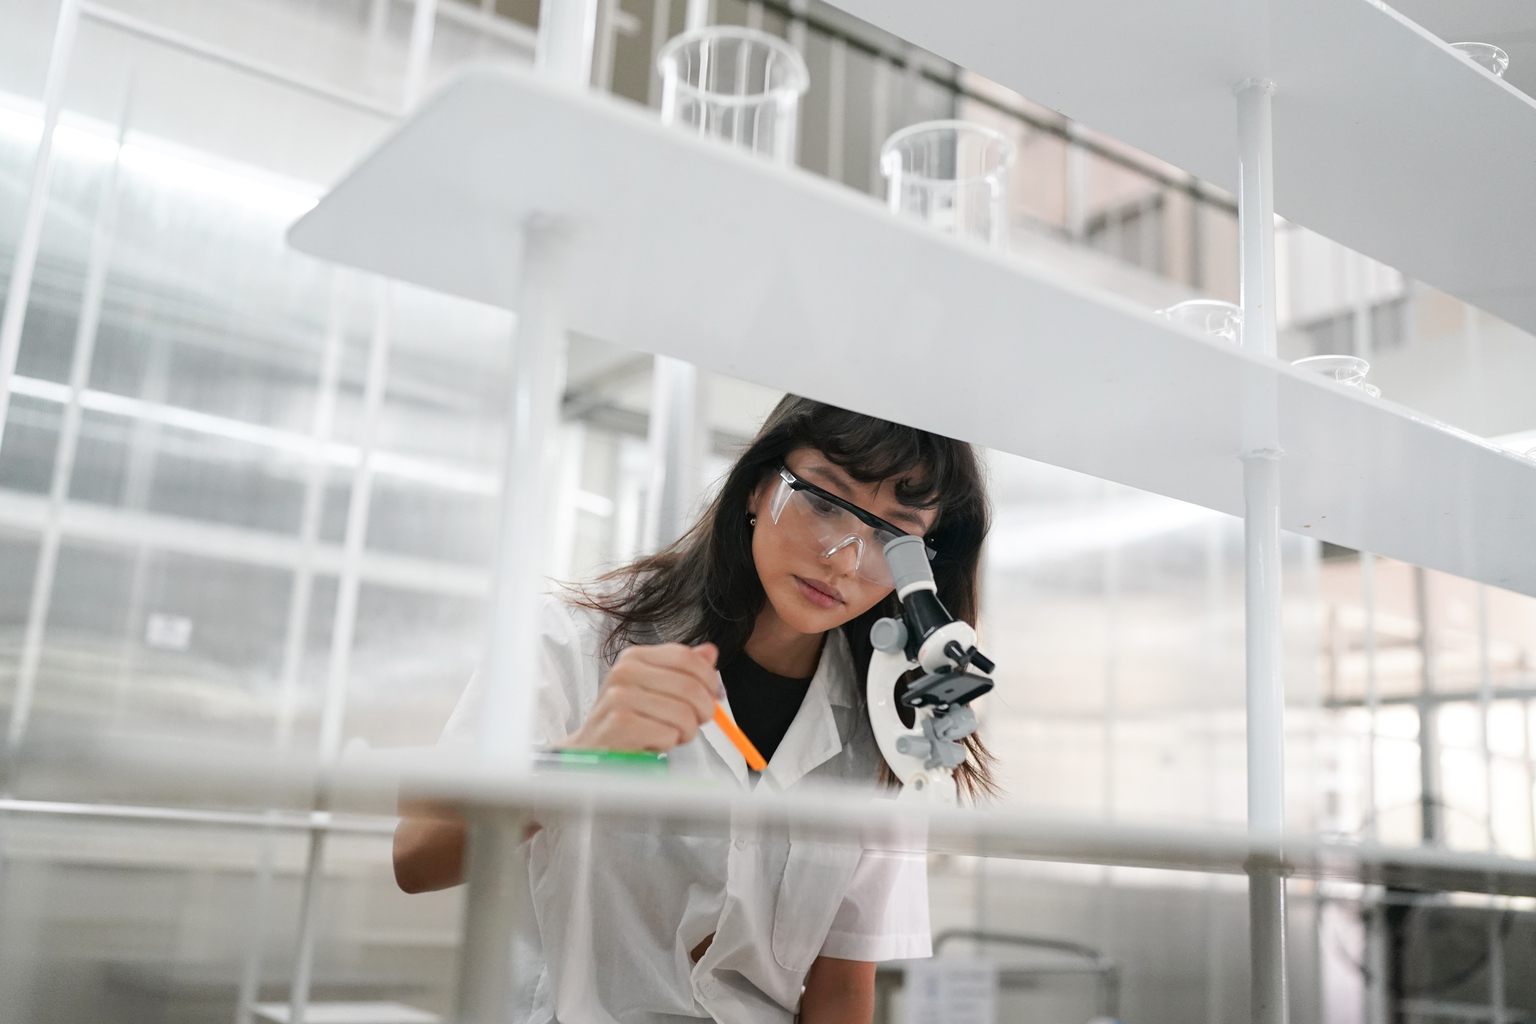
x: 879, y: 120
x: 497, y: 905
x: 419, y: 54
x: 1530, y: 773
x: 1076, y: 184
x: 674, y: 429
x: 1497, y: 1010
x: 796, y: 34
x: 1433, y: 825
x: 496, y: 911
x: 1376, y: 960
x: 1111, y: 583
x: 301, y: 591
x: 567, y: 34
x: 528, y: 474
x: 44, y: 573
x: 19, y: 290
x: 344, y: 624
x: 837, y: 106
x: 603, y: 47
x: 1372, y: 693
x: 1261, y: 486
x: 1196, y: 234
x: 1472, y: 340
x: 1215, y: 608
x: 354, y: 540
x: 661, y: 25
x: 676, y: 450
x: 300, y: 596
x: 1485, y: 706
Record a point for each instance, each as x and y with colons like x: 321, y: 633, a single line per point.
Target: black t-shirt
x: 763, y: 704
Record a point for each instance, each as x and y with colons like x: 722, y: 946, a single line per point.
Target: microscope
x: 926, y: 637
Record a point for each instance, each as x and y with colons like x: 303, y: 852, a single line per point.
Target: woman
x: 776, y: 588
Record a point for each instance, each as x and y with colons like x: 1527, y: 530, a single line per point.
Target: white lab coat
x: 619, y: 907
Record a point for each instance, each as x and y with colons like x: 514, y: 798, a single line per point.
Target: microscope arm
x: 885, y: 668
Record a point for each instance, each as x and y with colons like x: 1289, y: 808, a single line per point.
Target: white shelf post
x: 533, y: 408
x: 496, y: 911
x: 497, y: 868
x: 24, y: 264
x: 1261, y: 492
x: 677, y: 450
x: 496, y: 904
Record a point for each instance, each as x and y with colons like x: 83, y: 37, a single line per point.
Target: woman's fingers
x: 698, y: 662
x: 660, y: 704
x: 633, y: 730
x: 655, y: 698
x: 674, y: 670
x: 711, y: 655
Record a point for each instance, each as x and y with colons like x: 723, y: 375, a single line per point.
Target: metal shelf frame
x: 520, y: 150
x: 1228, y: 428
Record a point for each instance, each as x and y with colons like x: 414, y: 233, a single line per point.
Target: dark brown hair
x: 705, y: 587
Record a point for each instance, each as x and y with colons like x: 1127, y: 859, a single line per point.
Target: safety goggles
x: 827, y: 525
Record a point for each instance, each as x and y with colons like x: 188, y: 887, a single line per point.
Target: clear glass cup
x: 1486, y: 54
x: 1208, y: 316
x: 952, y: 174
x: 736, y: 84
x: 1350, y: 370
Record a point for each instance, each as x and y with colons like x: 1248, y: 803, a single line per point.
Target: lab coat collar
x: 813, y: 737
x: 717, y: 739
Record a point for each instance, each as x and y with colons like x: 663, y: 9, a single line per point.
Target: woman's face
x: 810, y: 593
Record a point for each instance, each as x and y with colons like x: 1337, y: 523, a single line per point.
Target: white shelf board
x: 253, y: 781
x: 1386, y: 140
x: 692, y: 249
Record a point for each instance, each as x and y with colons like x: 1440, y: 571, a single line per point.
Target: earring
x: 751, y: 519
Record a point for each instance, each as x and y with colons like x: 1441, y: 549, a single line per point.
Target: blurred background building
x: 274, y: 491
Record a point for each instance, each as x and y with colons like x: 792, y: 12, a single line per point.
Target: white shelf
x: 1385, y: 139
x: 689, y: 248
x: 250, y: 782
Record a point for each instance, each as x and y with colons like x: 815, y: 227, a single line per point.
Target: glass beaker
x: 1349, y: 370
x: 735, y: 84
x: 1486, y: 54
x: 952, y: 174
x: 1208, y: 316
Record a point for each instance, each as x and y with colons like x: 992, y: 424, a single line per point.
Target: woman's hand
x: 655, y: 698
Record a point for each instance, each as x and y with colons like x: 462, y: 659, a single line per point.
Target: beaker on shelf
x: 1486, y: 54
x: 1350, y: 370
x: 952, y: 174
x: 736, y: 84
x: 1208, y: 316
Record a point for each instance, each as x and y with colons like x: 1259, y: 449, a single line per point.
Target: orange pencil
x: 735, y: 735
